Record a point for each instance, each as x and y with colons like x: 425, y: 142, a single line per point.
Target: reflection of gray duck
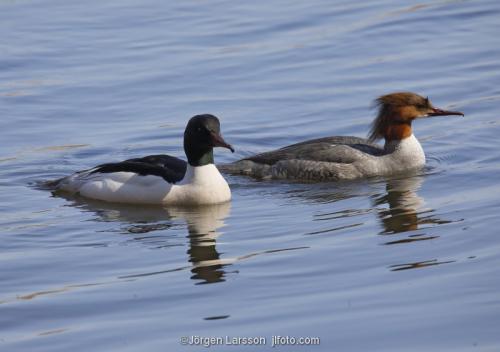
x: 405, y: 212
x: 337, y: 158
x: 160, y: 179
x: 404, y: 204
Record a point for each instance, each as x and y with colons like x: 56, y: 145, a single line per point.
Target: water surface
x: 409, y: 263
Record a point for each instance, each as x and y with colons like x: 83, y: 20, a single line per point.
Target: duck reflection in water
x: 147, y: 222
x: 403, y: 202
x: 405, y: 210
x: 399, y: 208
x: 202, y: 226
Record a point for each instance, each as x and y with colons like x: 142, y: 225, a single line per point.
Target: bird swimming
x: 160, y: 179
x: 347, y: 158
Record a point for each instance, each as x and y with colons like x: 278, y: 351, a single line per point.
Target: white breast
x: 402, y: 155
x: 408, y: 152
x: 200, y: 185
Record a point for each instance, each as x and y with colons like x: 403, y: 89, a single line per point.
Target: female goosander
x: 347, y: 158
x: 160, y: 179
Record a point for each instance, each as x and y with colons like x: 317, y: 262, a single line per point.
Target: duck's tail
x: 70, y: 184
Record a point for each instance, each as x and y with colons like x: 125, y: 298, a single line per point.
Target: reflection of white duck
x: 160, y: 179
x: 346, y: 158
x: 203, y: 223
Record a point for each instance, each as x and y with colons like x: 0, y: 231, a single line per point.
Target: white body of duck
x: 200, y: 185
x: 347, y: 158
x: 160, y: 179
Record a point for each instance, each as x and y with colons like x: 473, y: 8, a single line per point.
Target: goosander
x: 347, y: 158
x: 160, y: 179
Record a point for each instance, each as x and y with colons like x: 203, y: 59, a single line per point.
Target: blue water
x: 404, y: 264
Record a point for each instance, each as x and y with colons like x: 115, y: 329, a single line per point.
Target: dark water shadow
x: 419, y: 265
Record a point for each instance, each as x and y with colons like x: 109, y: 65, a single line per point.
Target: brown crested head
x: 396, y: 112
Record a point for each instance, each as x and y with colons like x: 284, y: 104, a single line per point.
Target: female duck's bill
x: 160, y: 179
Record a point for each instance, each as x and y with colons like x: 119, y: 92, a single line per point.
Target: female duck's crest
x: 396, y: 112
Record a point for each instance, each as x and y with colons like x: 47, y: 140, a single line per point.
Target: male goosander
x: 160, y: 179
x: 347, y: 158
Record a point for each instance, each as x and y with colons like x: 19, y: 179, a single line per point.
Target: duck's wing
x: 168, y: 167
x: 343, y: 150
x: 163, y: 160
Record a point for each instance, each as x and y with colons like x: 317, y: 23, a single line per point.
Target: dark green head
x: 202, y: 134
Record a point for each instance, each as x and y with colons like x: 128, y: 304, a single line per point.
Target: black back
x: 171, y: 169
